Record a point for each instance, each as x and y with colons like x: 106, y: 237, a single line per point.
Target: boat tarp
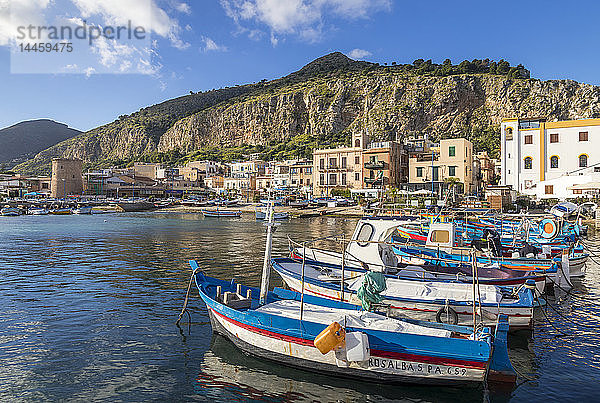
x: 348, y: 318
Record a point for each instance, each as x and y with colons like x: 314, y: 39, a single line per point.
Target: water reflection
x: 89, y: 305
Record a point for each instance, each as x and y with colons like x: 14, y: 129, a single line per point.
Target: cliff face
x: 386, y: 101
x: 385, y: 104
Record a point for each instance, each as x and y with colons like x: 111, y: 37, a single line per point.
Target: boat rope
x: 561, y: 333
x: 566, y: 318
x: 187, y: 296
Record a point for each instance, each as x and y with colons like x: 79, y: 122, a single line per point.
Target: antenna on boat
x: 266, y: 273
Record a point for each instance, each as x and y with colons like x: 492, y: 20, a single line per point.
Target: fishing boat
x: 372, y: 245
x: 61, y: 211
x: 278, y: 215
x: 83, y: 210
x: 299, y: 204
x: 10, y: 211
x: 341, y: 339
x: 381, y: 349
x: 424, y: 298
x: 222, y: 213
x: 37, y: 211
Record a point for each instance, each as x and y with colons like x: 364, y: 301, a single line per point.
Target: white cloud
x: 358, y: 54
x: 14, y: 14
x: 144, y: 13
x: 302, y: 18
x: 210, y: 45
x: 89, y: 71
x: 183, y: 8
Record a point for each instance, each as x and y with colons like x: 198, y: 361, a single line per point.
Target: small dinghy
x: 221, y: 213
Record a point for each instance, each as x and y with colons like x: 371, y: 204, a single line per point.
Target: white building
x: 545, y: 159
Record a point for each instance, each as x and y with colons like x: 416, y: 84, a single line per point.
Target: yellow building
x: 340, y: 168
x: 452, y: 158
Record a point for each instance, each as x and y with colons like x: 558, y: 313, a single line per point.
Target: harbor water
x: 89, y: 304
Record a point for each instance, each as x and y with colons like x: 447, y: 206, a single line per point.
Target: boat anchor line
x: 187, y: 296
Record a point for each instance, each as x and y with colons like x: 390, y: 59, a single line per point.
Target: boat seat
x: 236, y: 301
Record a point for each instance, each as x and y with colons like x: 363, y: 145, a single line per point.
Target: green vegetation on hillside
x: 136, y: 136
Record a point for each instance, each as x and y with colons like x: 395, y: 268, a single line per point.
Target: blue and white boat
x: 277, y: 215
x: 37, y: 211
x: 288, y: 327
x: 221, y: 213
x: 10, y: 211
x: 284, y: 328
x: 83, y: 210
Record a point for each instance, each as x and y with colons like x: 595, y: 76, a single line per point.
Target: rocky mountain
x: 25, y: 139
x: 333, y: 97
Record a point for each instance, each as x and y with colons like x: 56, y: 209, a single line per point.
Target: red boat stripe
x: 376, y: 353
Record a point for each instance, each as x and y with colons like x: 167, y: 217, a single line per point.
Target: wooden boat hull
x: 301, y: 353
x: 288, y: 341
x: 260, y: 215
x: 221, y: 214
x: 519, y: 316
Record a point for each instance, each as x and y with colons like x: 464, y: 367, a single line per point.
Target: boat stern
x: 501, y: 370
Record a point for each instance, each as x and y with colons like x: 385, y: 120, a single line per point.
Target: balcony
x: 373, y: 181
x: 375, y: 165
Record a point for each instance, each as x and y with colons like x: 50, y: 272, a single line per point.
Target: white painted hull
x: 306, y: 356
x: 518, y: 317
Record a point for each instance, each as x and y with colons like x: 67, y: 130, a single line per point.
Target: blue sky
x: 204, y: 44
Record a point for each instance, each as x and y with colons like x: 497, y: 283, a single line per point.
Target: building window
x: 322, y: 179
x: 577, y: 191
x: 356, y: 176
x: 549, y: 189
x: 343, y: 162
x: 583, y: 136
x: 357, y: 143
x: 508, y: 133
x: 419, y: 172
x: 343, y: 179
x: 332, y: 179
x: 583, y: 160
x: 554, y: 161
x: 554, y: 137
x: 452, y: 171
x: 528, y: 163
x: 307, y: 182
x: 528, y: 139
x: 332, y: 162
x: 452, y: 151
x: 357, y: 160
x: 322, y: 163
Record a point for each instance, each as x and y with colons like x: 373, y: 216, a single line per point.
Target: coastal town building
x: 301, y: 174
x: 385, y: 164
x: 216, y: 183
x: 208, y: 168
x: 550, y: 159
x: 66, y: 178
x: 23, y: 186
x: 435, y: 166
x: 339, y: 168
x: 146, y: 169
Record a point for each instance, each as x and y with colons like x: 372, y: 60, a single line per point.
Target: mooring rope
x: 187, y: 295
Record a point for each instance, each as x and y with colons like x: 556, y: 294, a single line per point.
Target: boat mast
x: 266, y: 273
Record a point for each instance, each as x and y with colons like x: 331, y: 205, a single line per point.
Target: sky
x: 197, y: 45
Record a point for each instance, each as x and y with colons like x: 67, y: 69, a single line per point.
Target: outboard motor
x: 493, y: 240
x: 528, y: 250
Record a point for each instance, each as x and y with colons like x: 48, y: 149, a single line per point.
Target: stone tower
x: 66, y: 178
x: 360, y: 140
